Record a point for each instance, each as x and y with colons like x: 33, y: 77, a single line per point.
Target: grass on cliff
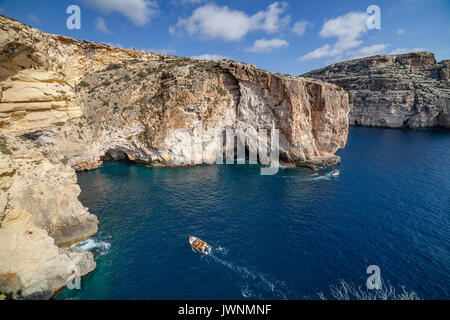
x: 84, y: 84
x: 4, y: 148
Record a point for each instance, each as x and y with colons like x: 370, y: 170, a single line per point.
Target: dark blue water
x: 287, y: 236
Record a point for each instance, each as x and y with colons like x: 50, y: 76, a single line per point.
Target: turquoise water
x: 287, y: 236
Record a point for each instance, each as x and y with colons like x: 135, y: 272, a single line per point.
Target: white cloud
x: 334, y: 60
x: 163, y: 51
x: 211, y: 21
x: 369, y: 51
x: 100, y: 24
x: 271, y: 21
x: 325, y: 51
x: 347, y: 28
x: 264, y: 45
x: 114, y: 45
x: 214, y: 22
x: 407, y: 50
x: 187, y: 2
x: 140, y: 12
x: 213, y: 57
x: 299, y: 27
x: 34, y: 18
x: 400, y: 32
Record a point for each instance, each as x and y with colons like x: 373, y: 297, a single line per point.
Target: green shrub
x: 143, y: 109
x: 221, y: 91
x: 3, y: 147
x: 113, y: 67
x: 84, y: 84
x: 141, y: 137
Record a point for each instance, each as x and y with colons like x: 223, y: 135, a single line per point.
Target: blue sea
x: 288, y: 236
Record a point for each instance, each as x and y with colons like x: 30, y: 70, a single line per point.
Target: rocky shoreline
x: 68, y: 105
x: 407, y: 91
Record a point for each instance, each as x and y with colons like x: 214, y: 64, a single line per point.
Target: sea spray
x: 260, y: 281
x: 313, y: 177
x: 98, y: 246
x: 328, y: 176
x: 221, y: 250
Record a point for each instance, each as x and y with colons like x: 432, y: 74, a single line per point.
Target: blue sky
x: 286, y: 36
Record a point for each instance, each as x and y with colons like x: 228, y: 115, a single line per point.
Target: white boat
x: 200, y: 245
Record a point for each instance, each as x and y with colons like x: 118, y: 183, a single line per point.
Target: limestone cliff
x: 66, y: 104
x: 40, y: 216
x: 397, y: 91
x: 152, y: 111
x: 38, y: 72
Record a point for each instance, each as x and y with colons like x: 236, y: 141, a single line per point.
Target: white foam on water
x: 313, y: 177
x: 221, y: 250
x: 328, y: 176
x: 246, y: 292
x: 261, y: 280
x: 91, y: 244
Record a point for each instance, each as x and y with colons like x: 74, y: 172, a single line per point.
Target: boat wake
x: 314, y: 177
x: 330, y: 175
x: 255, y: 285
x: 222, y: 250
x: 97, y: 246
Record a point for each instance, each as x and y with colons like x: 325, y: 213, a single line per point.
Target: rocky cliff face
x: 155, y: 111
x: 399, y: 91
x: 68, y: 105
x: 40, y: 216
x: 38, y: 72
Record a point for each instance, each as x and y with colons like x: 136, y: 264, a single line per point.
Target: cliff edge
x: 394, y: 91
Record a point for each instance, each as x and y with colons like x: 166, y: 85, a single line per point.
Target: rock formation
x: 66, y: 104
x: 398, y: 91
x: 40, y: 216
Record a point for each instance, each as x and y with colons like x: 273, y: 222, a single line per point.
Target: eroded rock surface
x: 38, y: 70
x: 174, y: 111
x: 40, y: 216
x: 409, y: 90
x: 68, y: 105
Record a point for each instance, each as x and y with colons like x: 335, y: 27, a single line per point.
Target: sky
x: 290, y: 36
